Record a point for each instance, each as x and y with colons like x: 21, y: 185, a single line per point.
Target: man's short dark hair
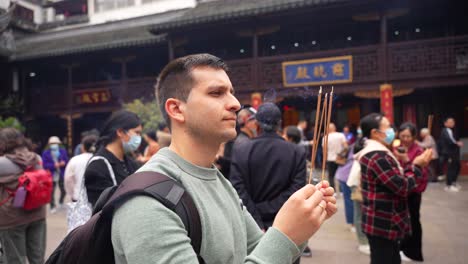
x: 294, y: 134
x: 447, y: 118
x: 176, y: 81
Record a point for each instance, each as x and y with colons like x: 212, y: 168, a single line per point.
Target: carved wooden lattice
x: 241, y: 76
x: 271, y: 74
x: 429, y: 58
x: 365, y: 66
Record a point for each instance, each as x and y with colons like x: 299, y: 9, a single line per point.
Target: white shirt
x: 336, y: 143
x: 74, y: 173
x: 450, y: 133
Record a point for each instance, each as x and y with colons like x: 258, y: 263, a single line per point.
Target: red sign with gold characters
x: 386, y: 101
x: 92, y: 96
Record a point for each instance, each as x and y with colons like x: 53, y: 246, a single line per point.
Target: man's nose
x: 233, y: 104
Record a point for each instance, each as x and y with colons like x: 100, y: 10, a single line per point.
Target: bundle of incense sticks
x: 322, y: 117
x: 430, y: 120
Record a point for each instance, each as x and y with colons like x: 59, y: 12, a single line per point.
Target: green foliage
x: 148, y: 112
x: 11, y: 122
x: 11, y: 105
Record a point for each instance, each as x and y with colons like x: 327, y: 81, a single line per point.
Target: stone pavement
x: 445, y: 235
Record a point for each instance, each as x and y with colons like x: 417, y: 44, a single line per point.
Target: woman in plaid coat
x: 385, y: 187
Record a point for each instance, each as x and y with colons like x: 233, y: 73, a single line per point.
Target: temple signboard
x: 332, y: 70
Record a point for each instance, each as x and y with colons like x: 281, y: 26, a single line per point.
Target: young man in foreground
x: 197, y: 101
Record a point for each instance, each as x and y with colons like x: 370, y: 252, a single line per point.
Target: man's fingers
x: 331, y: 209
x: 315, y: 199
x: 322, y: 184
x: 305, y: 192
x: 328, y: 191
x: 329, y: 199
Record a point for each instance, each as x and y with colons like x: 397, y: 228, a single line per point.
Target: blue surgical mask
x: 389, y: 135
x: 359, y: 131
x: 54, y: 147
x: 132, y: 144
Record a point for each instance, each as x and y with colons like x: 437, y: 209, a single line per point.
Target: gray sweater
x: 144, y: 231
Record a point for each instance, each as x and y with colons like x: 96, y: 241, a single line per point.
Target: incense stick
x: 315, y: 137
x: 327, y: 126
x: 325, y: 131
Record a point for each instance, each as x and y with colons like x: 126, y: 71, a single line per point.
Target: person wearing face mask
x: 55, y: 159
x: 112, y: 163
x: 385, y: 186
x: 411, y: 246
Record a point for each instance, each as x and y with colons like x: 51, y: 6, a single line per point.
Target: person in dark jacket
x: 268, y: 169
x: 55, y: 158
x: 246, y: 129
x: 22, y: 232
x: 120, y: 135
x: 385, y: 189
x: 450, y: 153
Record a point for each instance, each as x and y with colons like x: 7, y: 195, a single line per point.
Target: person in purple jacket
x: 54, y: 159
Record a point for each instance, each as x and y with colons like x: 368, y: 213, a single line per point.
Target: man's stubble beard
x: 199, y: 131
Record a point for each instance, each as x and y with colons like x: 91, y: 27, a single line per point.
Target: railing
x: 414, y: 61
x: 366, y: 67
x: 435, y: 57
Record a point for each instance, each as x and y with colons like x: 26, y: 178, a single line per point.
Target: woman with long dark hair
x: 119, y: 137
x: 411, y: 246
x: 385, y: 189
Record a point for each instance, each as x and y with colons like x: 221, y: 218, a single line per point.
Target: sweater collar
x: 189, y: 168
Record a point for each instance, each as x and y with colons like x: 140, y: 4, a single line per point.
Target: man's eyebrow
x: 231, y: 89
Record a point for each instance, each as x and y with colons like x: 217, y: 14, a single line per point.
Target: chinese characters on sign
x: 318, y: 71
x: 94, y: 96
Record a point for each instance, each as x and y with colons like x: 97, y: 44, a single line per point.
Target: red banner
x: 92, y: 96
x: 256, y: 100
x: 386, y: 101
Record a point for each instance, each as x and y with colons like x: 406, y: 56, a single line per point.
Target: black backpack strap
x: 167, y: 191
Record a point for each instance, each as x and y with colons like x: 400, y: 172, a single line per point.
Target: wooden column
x: 170, y: 48
x: 383, y: 45
x: 68, y: 116
x: 124, y: 80
x: 255, y: 66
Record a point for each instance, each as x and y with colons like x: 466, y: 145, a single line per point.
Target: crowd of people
x: 221, y: 153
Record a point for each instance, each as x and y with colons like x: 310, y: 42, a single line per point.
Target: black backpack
x: 91, y: 243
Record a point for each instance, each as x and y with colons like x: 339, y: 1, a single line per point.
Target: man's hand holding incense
x: 328, y: 196
x: 305, y: 211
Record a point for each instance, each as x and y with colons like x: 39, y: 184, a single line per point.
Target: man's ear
x: 175, y: 109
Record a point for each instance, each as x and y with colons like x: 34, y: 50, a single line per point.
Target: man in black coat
x: 268, y: 169
x: 450, y: 153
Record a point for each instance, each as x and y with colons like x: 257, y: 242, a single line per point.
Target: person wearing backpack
x: 112, y: 163
x: 196, y: 99
x: 22, y: 232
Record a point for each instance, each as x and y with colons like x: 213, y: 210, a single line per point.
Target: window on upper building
x: 107, y: 5
x: 24, y: 13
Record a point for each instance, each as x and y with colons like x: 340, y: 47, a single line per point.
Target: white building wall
x: 139, y: 9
